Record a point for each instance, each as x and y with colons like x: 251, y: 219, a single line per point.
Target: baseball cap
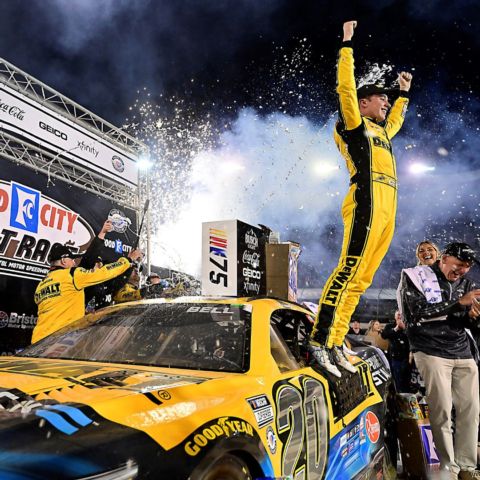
x: 59, y: 251
x: 462, y: 251
x: 372, y: 89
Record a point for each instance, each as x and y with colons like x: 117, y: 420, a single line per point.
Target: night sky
x: 236, y: 100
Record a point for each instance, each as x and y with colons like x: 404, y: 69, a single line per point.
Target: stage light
x: 232, y: 167
x: 144, y: 162
x: 419, y: 168
x: 325, y: 169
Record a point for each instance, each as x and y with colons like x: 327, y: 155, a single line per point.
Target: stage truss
x: 57, y: 167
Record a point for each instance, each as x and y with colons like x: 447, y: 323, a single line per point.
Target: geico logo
x: 222, y: 427
x: 247, y: 272
x: 53, y: 131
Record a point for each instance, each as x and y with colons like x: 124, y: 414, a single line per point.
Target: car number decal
x: 302, y: 426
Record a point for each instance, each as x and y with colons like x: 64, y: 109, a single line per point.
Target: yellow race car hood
x: 40, y: 377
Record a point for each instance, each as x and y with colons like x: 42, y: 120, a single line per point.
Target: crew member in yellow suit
x: 60, y: 295
x: 367, y: 123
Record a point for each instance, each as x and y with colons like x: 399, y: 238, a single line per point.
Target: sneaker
x: 340, y: 359
x: 347, y: 350
x: 469, y: 475
x: 321, y: 356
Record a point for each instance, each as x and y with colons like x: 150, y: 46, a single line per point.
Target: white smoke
x: 281, y: 171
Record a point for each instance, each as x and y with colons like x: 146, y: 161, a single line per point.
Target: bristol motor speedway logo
x: 31, y: 223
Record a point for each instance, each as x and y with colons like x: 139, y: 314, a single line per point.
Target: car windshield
x: 201, y: 336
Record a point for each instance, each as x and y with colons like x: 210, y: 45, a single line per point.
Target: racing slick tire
x: 228, y: 467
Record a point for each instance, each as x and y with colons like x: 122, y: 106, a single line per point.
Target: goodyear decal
x: 222, y: 427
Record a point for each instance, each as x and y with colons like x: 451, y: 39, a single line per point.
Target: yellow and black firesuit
x: 60, y: 295
x: 368, y: 210
x: 128, y: 293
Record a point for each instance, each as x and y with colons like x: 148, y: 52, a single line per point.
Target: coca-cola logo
x: 251, y: 258
x: 12, y: 110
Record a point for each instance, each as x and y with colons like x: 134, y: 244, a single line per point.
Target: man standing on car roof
x: 60, y: 295
x: 362, y: 134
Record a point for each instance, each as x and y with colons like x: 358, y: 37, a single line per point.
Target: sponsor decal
x: 120, y: 221
x: 201, y: 309
x: 380, y: 373
x: 251, y: 258
x: 251, y: 276
x: 217, y: 248
x: 164, y: 395
x: 363, y: 437
x: 17, y: 320
x: 372, y: 427
x: 12, y: 110
x: 118, y: 163
x: 271, y: 440
x: 16, y: 401
x: 338, y: 283
x: 429, y: 448
x: 118, y: 246
x: 262, y: 409
x: 378, y: 142
x: 251, y: 287
x: 223, y: 427
x: 25, y: 206
x: 31, y: 224
x: 251, y: 240
x: 3, y: 319
x: 249, y: 273
x: 65, y: 418
x: 53, y: 131
x: 49, y: 291
x: 89, y: 148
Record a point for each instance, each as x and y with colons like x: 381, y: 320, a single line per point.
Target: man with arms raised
x: 367, y: 123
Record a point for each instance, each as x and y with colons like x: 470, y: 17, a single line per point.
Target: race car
x: 196, y: 388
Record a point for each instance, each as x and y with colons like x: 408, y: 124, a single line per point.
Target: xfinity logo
x: 53, y: 131
x: 25, y: 208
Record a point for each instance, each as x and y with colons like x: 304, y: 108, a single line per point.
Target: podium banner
x: 34, y: 215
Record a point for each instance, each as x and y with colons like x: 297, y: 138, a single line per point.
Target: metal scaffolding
x: 36, y: 90
x: 57, y: 166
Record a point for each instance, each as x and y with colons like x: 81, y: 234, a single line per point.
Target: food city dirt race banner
x: 34, y: 215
